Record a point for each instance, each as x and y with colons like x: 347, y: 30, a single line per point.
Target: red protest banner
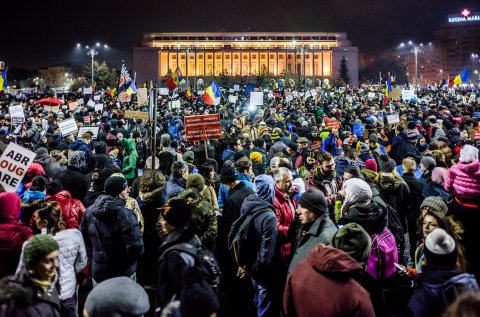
x: 331, y: 123
x: 204, y: 127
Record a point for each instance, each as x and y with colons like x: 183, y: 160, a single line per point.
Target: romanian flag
x: 442, y: 83
x: 463, y: 77
x: 278, y: 85
x: 3, y: 80
x: 151, y: 84
x: 112, y: 92
x: 212, y: 92
x: 132, y: 89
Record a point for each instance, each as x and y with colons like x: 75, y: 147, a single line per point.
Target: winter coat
x: 228, y: 155
x: 262, y: 167
x: 112, y: 237
x: 285, y: 216
x: 209, y: 194
x: 52, y: 169
x: 223, y: 191
x: 278, y: 146
x: 416, y: 188
x: 321, y: 231
x: 173, y: 187
x: 372, y: 217
x: 141, y: 148
x: 204, y: 219
x: 463, y: 180
x: 21, y: 297
x: 72, y: 258
x: 12, y: 235
x: 262, y: 239
x: 72, y: 209
x: 438, y: 289
x: 395, y: 193
x: 75, y: 183
x: 79, y: 145
x: 330, y: 144
x: 324, y: 285
x: 129, y: 163
x: 435, y: 189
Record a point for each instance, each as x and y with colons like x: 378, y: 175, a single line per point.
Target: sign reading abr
x: 14, y: 163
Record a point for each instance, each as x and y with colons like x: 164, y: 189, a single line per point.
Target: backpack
x: 395, y: 226
x: 444, y: 294
x: 203, y: 260
x: 238, y: 237
x: 166, y: 160
x: 383, y: 256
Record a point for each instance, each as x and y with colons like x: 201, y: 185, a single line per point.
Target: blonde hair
x: 409, y: 165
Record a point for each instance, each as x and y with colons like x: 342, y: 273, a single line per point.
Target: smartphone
x: 400, y: 267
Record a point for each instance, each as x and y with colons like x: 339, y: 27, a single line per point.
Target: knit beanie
x: 438, y: 175
x: 371, y: 164
x: 78, y: 160
x: 115, y: 297
x: 197, y: 298
x: 41, y: 151
x: 274, y: 136
x: 364, y: 147
x: 37, y: 248
x: 436, y: 203
x: 428, y: 162
x: 196, y: 181
x: 188, y: 157
x: 33, y: 170
x: 256, y: 157
x: 314, y: 200
x: 354, y: 240
x: 468, y: 154
x: 264, y: 187
x: 356, y: 190
x: 440, y: 249
x: 228, y: 175
x: 387, y: 165
x: 54, y: 187
x: 177, y: 212
x: 115, y: 185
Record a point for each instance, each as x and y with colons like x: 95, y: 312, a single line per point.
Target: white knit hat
x: 356, y: 190
x: 468, y: 154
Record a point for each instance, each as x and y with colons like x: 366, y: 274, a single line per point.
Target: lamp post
x: 415, y: 50
x: 92, y: 52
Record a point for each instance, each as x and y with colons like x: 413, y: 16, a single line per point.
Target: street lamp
x: 92, y: 52
x: 415, y: 50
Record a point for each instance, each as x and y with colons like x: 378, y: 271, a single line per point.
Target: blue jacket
x: 173, y: 187
x: 228, y: 154
x: 29, y: 196
x: 330, y: 145
x: 358, y: 129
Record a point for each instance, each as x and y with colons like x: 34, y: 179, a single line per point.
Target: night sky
x: 42, y: 33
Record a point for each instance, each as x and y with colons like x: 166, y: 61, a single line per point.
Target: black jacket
x: 112, y: 237
x: 74, y: 182
x: 416, y: 189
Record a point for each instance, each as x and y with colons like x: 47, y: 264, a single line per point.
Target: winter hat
x: 314, y: 129
x: 37, y: 248
x: 274, y: 136
x: 33, y: 170
x: 41, y: 151
x: 196, y: 181
x: 373, y: 137
x: 428, y: 162
x: 115, y: 297
x: 10, y: 206
x: 198, y: 298
x: 438, y: 175
x: 354, y: 240
x: 371, y: 164
x: 356, y: 190
x: 314, y: 200
x: 264, y: 187
x: 54, y: 187
x: 115, y: 185
x: 188, y: 157
x: 387, y: 165
x: 411, y: 135
x: 177, y: 212
x: 436, y: 203
x: 256, y: 157
x: 114, y: 153
x: 468, y: 154
x: 78, y: 160
x: 228, y: 175
x: 364, y: 147
x: 440, y: 249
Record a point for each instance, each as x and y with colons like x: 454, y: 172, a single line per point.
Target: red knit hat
x: 371, y: 164
x: 33, y: 170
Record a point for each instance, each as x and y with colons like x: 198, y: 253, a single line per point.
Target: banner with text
x: 14, y: 163
x: 205, y: 127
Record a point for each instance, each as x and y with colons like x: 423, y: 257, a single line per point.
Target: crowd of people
x: 315, y: 206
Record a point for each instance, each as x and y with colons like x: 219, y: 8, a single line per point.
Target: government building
x: 310, y: 55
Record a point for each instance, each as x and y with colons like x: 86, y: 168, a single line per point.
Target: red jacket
x: 284, y: 219
x: 12, y: 233
x: 72, y: 209
x: 322, y: 286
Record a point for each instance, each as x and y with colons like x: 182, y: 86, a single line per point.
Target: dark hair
x: 285, y: 162
x: 355, y: 172
x: 52, y: 213
x: 259, y: 142
x: 233, y: 142
x: 178, y: 168
x: 39, y: 183
x: 324, y: 156
x: 243, y: 165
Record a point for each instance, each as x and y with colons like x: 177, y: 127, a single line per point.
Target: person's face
x: 2, y: 121
x: 310, y: 161
x: 238, y: 146
x: 328, y: 167
x: 273, y: 167
x: 124, y: 194
x: 314, y: 134
x: 46, y: 269
x: 40, y: 223
x: 285, y: 184
x: 422, y: 168
x: 185, y: 175
x: 429, y: 223
x: 212, y: 174
x: 305, y: 216
x: 58, y: 131
x: 120, y: 136
x: 302, y: 145
x: 422, y: 141
x: 166, y: 227
x: 138, y: 140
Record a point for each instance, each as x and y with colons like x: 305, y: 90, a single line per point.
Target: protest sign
x: 68, y: 126
x: 176, y: 104
x: 96, y: 98
x: 371, y: 95
x: 87, y: 91
x: 163, y: 91
x: 80, y: 101
x: 86, y: 119
x: 395, y: 93
x: 72, y: 105
x: 16, y: 111
x: 203, y: 127
x: 236, y: 87
x: 393, y: 118
x: 408, y: 95
x: 136, y: 114
x: 256, y: 98
x: 99, y: 107
x: 331, y: 123
x: 91, y: 103
x: 289, y: 97
x: 142, y: 97
x: 231, y: 90
x: 232, y: 99
x: 85, y: 129
x: 14, y: 163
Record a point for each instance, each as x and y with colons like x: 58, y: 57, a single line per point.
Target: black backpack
x: 204, y: 260
x: 238, y: 245
x: 166, y: 160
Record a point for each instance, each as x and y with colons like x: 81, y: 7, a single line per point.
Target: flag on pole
x: 442, y: 83
x: 461, y: 78
x: 132, y: 89
x: 212, y: 92
x: 124, y: 77
x: 3, y: 80
x: 188, y: 93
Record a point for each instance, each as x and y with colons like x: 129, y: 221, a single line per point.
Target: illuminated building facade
x: 311, y: 55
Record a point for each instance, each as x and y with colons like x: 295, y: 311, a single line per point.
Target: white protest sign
x: 371, y: 95
x: 16, y: 111
x: 295, y: 93
x: 232, y: 99
x: 408, y: 94
x: 163, y: 91
x: 91, y: 103
x: 99, y: 107
x: 236, y: 87
x: 393, y: 118
x: 87, y: 91
x: 313, y: 92
x: 96, y: 97
x: 142, y: 97
x: 68, y: 126
x: 200, y: 92
x: 80, y: 101
x: 289, y: 97
x: 231, y: 90
x: 176, y: 103
x: 256, y: 98
x: 217, y: 101
x: 92, y: 129
x: 14, y: 163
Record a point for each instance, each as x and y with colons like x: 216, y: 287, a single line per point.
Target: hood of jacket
x: 191, y: 196
x: 156, y: 194
x: 253, y: 203
x: 61, y: 195
x: 9, y: 206
x: 388, y: 183
x: 106, y: 207
x: 42, y: 159
x: 29, y: 196
x: 470, y: 168
x: 128, y: 145
x: 77, y: 145
x: 329, y: 260
x: 372, y: 217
